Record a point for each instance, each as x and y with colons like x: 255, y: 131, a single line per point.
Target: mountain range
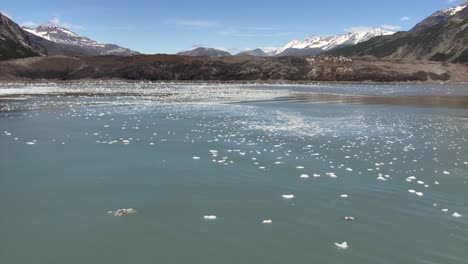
x: 49, y: 39
x: 443, y: 36
x: 61, y: 41
x: 314, y: 45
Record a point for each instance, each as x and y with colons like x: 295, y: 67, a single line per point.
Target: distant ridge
x: 205, y: 52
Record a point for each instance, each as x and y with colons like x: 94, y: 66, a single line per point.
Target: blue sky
x: 152, y: 26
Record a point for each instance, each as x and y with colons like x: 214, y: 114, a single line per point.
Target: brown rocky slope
x: 185, y: 68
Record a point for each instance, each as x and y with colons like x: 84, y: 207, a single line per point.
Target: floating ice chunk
x: 380, y: 178
x: 343, y: 245
x: 300, y: 167
x: 210, y: 217
x: 305, y: 176
x: 436, y: 183
x: 411, y: 191
x: 410, y: 178
x: 457, y: 215
x: 349, y: 218
x: 288, y: 196
x: 446, y: 173
x: 445, y: 210
x: 267, y: 222
x: 196, y: 158
x: 420, y: 182
x: 30, y: 143
x: 419, y: 194
x: 344, y: 196
x: 349, y: 169
x: 123, y: 212
x: 331, y: 175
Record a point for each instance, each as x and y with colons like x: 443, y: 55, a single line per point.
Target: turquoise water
x: 69, y: 153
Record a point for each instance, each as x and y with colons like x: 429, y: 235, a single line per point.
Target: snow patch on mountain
x: 453, y: 10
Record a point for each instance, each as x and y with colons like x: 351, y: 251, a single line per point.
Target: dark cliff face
x: 14, y: 43
x: 440, y: 37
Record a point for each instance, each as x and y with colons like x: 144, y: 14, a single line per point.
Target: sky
x: 154, y: 26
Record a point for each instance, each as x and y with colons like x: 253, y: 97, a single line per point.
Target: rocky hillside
x: 233, y: 68
x: 14, y: 42
x: 441, y: 37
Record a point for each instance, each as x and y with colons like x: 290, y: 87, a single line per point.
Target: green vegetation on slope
x: 9, y: 49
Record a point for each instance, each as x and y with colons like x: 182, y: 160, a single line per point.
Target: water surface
x: 69, y: 153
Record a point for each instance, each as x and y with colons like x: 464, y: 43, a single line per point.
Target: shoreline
x: 234, y: 82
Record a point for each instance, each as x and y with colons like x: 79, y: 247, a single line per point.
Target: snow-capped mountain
x: 453, y: 10
x: 440, y: 16
x: 315, y: 44
x: 72, y: 42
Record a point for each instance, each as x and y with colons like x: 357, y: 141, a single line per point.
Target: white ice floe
x: 196, y: 158
x: 300, y: 167
x: 410, y: 178
x: 349, y: 218
x: 267, y: 222
x: 316, y: 175
x: 446, y: 173
x: 123, y: 212
x: 344, y: 196
x: 210, y: 217
x: 304, y: 176
x: 419, y: 194
x: 343, y: 245
x: 331, y: 175
x: 411, y: 191
x: 457, y: 215
x: 288, y: 196
x: 381, y: 178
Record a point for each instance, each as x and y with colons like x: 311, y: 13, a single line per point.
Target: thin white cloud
x: 405, y: 18
x: 452, y: 1
x: 6, y: 14
x: 29, y: 24
x: 58, y: 22
x: 197, y: 45
x: 193, y: 23
x: 269, y: 49
x: 390, y: 27
x: 357, y: 29
x: 236, y: 33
